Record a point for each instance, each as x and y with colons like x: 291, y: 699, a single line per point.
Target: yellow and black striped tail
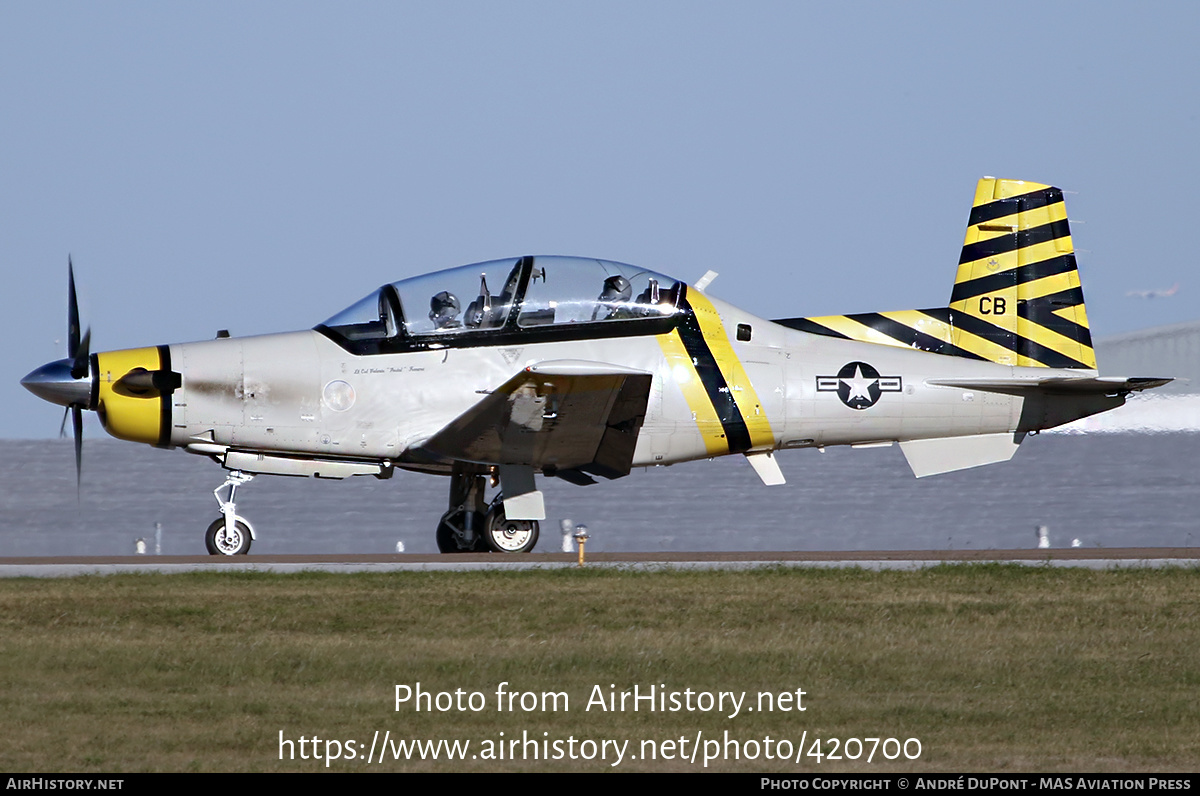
x: 1017, y: 298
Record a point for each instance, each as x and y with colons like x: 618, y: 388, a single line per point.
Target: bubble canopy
x: 519, y: 294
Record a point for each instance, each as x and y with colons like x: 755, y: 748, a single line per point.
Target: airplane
x: 500, y: 372
x: 1155, y: 293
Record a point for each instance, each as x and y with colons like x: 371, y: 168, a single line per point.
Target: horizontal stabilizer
x: 1103, y: 385
x: 947, y: 454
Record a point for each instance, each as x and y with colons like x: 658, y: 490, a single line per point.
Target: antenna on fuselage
x: 705, y: 280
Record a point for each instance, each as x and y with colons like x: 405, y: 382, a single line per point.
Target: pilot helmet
x: 443, y: 308
x: 616, y: 288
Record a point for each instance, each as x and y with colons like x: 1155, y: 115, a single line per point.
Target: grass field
x: 992, y: 668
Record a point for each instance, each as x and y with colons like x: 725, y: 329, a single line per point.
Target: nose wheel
x: 223, y: 541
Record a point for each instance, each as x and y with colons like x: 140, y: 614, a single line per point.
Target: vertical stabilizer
x: 1016, y: 299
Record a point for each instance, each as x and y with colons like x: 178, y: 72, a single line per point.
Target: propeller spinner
x: 68, y: 382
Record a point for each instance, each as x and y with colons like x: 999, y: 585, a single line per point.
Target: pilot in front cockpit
x: 443, y: 311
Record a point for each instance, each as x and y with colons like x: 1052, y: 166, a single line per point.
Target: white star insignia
x: 859, y: 386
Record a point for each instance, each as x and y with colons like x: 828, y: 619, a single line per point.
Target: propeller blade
x: 72, y: 312
x: 77, y: 427
x: 79, y: 368
x: 62, y: 429
x: 78, y: 350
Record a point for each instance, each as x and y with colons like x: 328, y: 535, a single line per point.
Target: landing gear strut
x: 461, y: 527
x: 230, y: 534
x: 472, y: 525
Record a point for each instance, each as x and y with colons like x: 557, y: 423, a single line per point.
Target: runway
x: 1098, y: 558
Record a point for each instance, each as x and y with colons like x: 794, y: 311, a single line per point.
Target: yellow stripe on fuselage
x: 744, y: 395
x: 854, y: 330
x: 683, y: 372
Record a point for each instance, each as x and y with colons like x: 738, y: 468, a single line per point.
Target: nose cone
x: 53, y: 382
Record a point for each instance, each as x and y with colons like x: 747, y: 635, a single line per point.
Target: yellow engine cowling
x: 133, y: 395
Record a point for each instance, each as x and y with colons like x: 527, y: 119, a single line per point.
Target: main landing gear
x: 230, y: 534
x: 471, y: 525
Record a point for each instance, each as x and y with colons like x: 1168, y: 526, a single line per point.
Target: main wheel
x: 223, y: 542
x: 449, y: 533
x: 510, y: 536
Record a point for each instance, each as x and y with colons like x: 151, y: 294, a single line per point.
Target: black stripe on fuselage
x: 94, y: 395
x: 992, y: 283
x: 165, y: 398
x: 1014, y: 204
x: 913, y: 337
x: 714, y: 383
x: 1017, y: 240
x: 903, y: 334
x: 806, y: 325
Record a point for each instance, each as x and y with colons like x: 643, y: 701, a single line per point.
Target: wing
x: 565, y: 417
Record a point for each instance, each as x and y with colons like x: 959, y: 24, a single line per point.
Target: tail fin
x: 1016, y: 299
x: 1017, y: 284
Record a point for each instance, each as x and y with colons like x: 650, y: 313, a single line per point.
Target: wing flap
x: 563, y: 414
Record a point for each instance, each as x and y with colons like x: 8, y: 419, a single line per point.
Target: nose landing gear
x: 230, y: 534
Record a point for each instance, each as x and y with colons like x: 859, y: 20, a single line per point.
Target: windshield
x: 368, y: 319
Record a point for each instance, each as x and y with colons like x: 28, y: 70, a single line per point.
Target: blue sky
x: 257, y: 166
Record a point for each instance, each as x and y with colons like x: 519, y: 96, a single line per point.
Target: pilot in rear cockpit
x: 443, y: 311
x: 613, y: 301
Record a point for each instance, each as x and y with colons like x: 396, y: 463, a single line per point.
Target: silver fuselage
x: 271, y: 393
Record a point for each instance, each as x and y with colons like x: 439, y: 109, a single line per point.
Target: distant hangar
x: 1161, y: 351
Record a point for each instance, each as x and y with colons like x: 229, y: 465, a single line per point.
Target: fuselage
x: 302, y: 394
